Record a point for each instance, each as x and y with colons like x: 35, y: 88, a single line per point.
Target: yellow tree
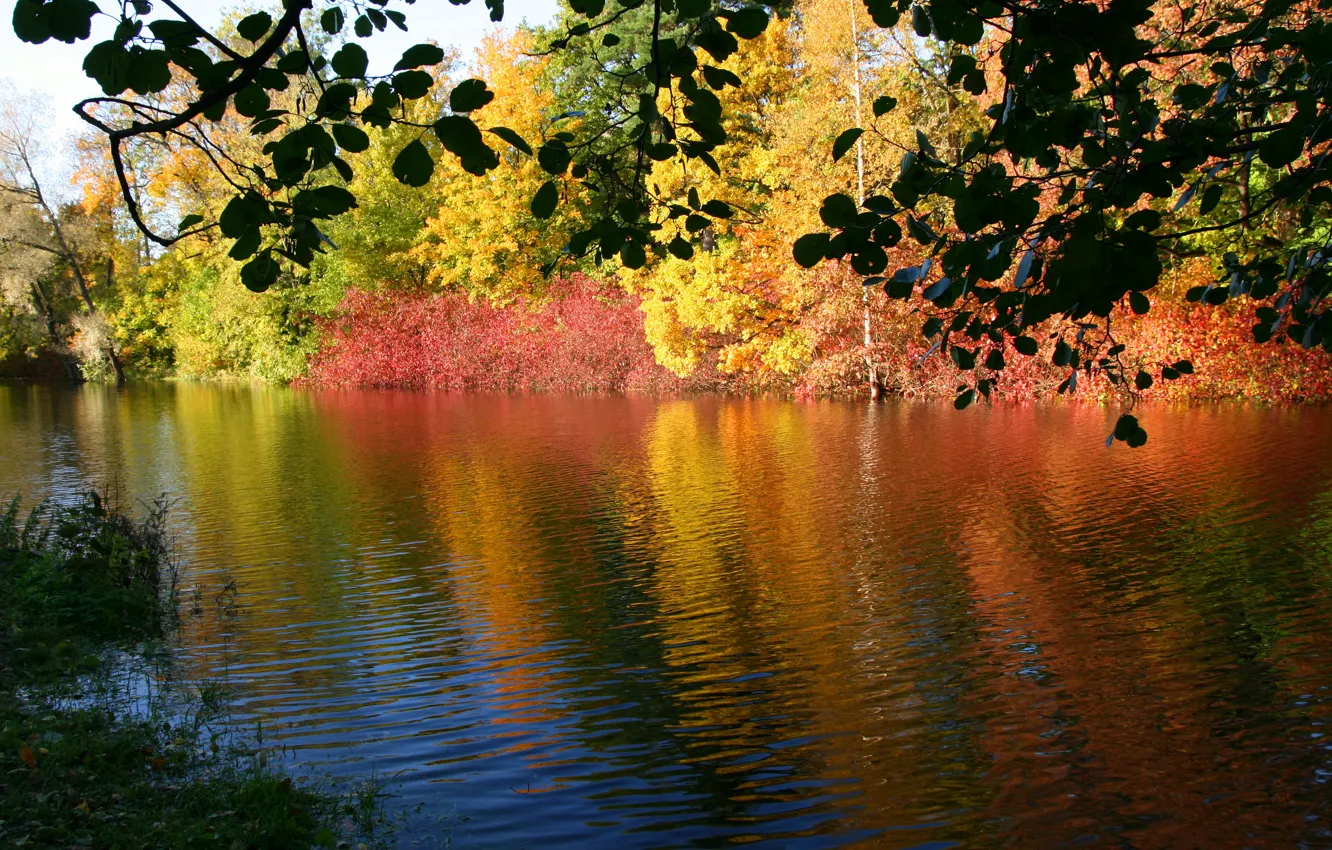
x: 482, y: 237
x: 722, y: 300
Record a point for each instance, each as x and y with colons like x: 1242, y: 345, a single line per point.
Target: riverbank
x: 589, y: 338
x: 100, y: 746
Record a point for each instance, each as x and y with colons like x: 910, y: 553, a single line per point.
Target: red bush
x: 585, y: 337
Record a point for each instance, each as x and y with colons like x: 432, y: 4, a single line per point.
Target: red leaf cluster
x: 584, y: 336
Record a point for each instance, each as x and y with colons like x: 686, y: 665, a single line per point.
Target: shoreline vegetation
x: 454, y: 282
x: 588, y: 336
x: 100, y: 744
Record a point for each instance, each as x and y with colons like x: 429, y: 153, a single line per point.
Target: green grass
x: 86, y: 592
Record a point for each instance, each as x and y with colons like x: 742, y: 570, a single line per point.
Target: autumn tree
x: 38, y: 234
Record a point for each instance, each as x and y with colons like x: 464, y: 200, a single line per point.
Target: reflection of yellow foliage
x: 695, y: 498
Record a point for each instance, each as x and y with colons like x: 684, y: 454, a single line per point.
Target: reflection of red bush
x: 586, y: 337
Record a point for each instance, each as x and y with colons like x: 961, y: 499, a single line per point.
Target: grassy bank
x: 94, y: 750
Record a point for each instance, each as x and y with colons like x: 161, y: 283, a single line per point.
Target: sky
x: 55, y: 70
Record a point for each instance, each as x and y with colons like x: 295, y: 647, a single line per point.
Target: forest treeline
x: 457, y: 284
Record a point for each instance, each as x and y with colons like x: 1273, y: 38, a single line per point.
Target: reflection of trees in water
x: 745, y: 615
x: 1157, y: 639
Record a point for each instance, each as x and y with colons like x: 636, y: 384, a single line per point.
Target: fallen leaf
x: 26, y: 754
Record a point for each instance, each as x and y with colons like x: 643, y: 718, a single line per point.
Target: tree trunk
x: 58, y: 347
x: 111, y: 346
x: 871, y: 371
x: 71, y: 258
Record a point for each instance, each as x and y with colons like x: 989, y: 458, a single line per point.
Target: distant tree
x: 37, y: 237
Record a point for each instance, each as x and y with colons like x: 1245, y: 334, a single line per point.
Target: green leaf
x: 883, y: 105
x: 1143, y: 220
x: 1281, y: 148
x: 336, y: 100
x: 963, y: 401
x: 1143, y: 380
x: 994, y: 361
x: 1026, y: 345
x: 680, y: 248
x: 707, y: 159
x: 149, y: 70
x: 324, y: 201
x: 64, y: 20
x: 838, y: 211
x: 350, y: 61
x: 633, y: 256
x: 920, y: 21
x: 253, y: 27
x: 108, y: 63
x: 343, y: 169
x: 1211, y: 197
x: 30, y: 23
x: 920, y: 231
x: 748, y: 23
x: 1126, y: 425
x: 189, y: 221
x: 845, y: 142
x: 962, y: 358
x: 1183, y: 366
x: 717, y: 209
x: 242, y: 213
x: 554, y: 157
x: 470, y: 95
x: 332, y: 20
x: 418, y: 55
x: 362, y: 27
x: 718, y: 43
x: 251, y: 100
x: 349, y: 138
x: 899, y: 288
x: 271, y: 79
x: 809, y: 249
x: 413, y: 166
x: 412, y: 84
x: 245, y: 246
x: 884, y: 13
x: 460, y: 136
x: 1139, y: 303
x: 260, y: 273
x: 512, y: 138
x: 1063, y: 354
x: 543, y: 203
x: 719, y: 78
x: 295, y: 62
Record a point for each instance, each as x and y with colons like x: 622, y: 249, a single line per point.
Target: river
x: 642, y: 623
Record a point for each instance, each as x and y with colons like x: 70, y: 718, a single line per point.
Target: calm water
x: 569, y: 622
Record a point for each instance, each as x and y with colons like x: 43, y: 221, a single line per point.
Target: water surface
x: 641, y: 623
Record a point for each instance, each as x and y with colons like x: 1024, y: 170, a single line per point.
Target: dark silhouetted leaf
x: 545, y: 199
x: 413, y: 166
x: 845, y: 142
